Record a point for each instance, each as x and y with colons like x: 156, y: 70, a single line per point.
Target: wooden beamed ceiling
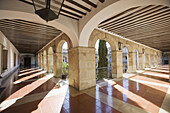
x: 74, y: 9
x: 149, y: 25
x: 26, y: 36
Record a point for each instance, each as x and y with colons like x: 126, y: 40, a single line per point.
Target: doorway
x: 27, y: 62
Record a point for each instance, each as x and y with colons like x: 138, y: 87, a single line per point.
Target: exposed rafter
x: 26, y: 35
x: 90, y: 3
x: 149, y: 25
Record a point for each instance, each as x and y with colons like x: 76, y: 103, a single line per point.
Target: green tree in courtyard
x: 103, y: 60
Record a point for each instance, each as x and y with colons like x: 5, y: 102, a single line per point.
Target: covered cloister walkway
x: 35, y: 75
x: 38, y: 92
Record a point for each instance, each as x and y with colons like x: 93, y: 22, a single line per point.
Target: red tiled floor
x: 145, y: 96
x: 85, y: 104
x: 142, y: 95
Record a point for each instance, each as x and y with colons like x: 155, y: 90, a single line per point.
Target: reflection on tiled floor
x: 38, y: 92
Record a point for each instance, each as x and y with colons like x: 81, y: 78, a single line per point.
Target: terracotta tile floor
x: 37, y: 92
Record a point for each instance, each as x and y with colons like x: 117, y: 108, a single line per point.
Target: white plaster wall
x: 11, y: 50
x: 33, y: 58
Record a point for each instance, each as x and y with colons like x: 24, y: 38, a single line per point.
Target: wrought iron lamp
x: 43, y: 8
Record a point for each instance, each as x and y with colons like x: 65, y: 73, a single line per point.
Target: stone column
x: 57, y: 64
x: 42, y: 58
x: 47, y: 68
x: 50, y: 64
x: 132, y: 62
x: 147, y: 61
x: 39, y: 60
x: 141, y: 62
x: 54, y: 64
x: 82, y: 72
x: 117, y: 64
x: 1, y: 63
x: 151, y: 60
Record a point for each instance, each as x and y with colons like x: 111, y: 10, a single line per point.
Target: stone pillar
x: 151, y: 60
x: 147, y: 61
x: 155, y: 61
x: 54, y: 64
x: 50, y: 63
x: 39, y: 60
x: 141, y: 62
x: 1, y: 64
x: 42, y: 58
x: 117, y: 64
x: 47, y: 68
x: 57, y: 64
x: 82, y: 72
x: 132, y: 62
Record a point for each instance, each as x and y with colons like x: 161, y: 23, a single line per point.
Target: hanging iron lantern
x: 48, y: 10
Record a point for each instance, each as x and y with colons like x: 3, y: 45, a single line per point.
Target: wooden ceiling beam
x: 132, y: 14
x: 3, y: 27
x: 26, y: 27
x: 138, y: 21
x: 73, y: 9
x: 30, y: 3
x: 141, y: 13
x: 78, y: 5
x: 150, y: 25
x: 90, y: 3
x: 70, y: 13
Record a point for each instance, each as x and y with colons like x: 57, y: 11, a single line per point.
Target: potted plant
x: 65, y: 70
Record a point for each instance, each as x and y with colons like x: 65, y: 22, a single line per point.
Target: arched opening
x: 137, y: 59
x: 50, y: 60
x: 103, y: 70
x: 65, y: 59
x: 44, y: 58
x: 116, y: 55
x: 62, y: 57
x: 125, y: 59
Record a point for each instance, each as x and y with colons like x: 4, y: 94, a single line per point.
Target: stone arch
x: 125, y: 58
x: 131, y: 57
x: 50, y: 59
x: 141, y: 58
x: 58, y: 61
x: 147, y: 58
x: 96, y: 34
x: 108, y: 9
x: 60, y: 41
x: 115, y: 53
x: 137, y: 59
